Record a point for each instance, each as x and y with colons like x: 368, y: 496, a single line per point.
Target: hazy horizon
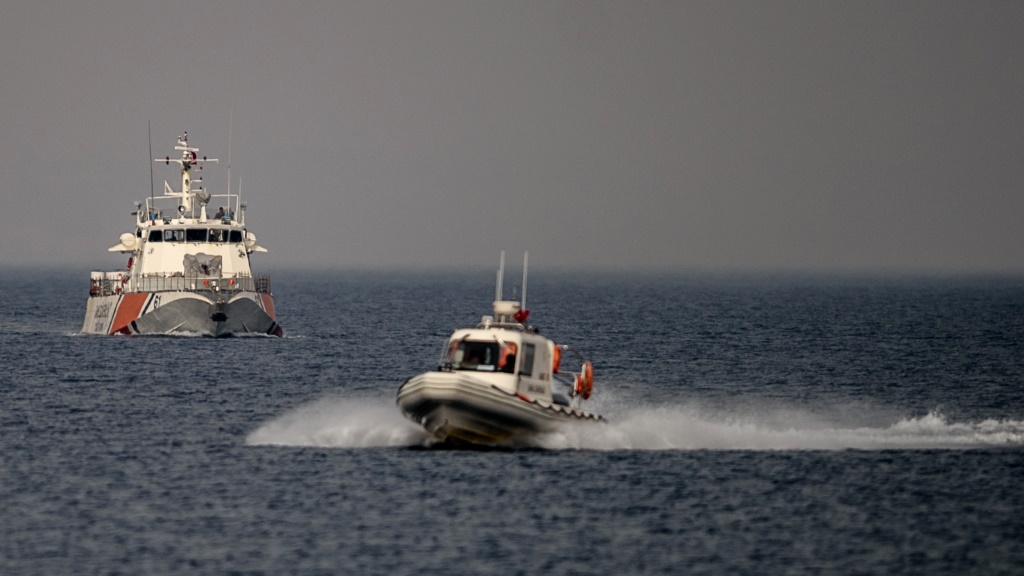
x: 666, y: 137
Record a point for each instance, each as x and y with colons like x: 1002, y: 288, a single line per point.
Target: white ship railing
x: 164, y: 210
x: 111, y: 283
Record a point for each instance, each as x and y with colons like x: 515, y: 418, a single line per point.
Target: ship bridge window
x: 470, y: 355
x: 526, y: 369
x: 236, y: 236
x: 484, y: 356
x: 156, y: 236
x: 174, y: 235
x: 195, y: 235
x: 218, y: 235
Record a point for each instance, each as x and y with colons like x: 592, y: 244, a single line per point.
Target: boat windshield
x: 484, y: 356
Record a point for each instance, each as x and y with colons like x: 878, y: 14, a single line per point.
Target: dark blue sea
x: 756, y: 425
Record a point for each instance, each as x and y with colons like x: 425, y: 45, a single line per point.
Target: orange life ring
x: 206, y: 282
x: 585, y: 381
x: 556, y: 359
x: 231, y: 282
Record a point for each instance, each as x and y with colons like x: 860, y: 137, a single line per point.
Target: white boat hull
x: 456, y: 407
x: 180, y: 313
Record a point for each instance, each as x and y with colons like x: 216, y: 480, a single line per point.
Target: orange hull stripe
x: 128, y: 310
x: 268, y: 306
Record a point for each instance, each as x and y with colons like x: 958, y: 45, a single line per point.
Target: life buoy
x: 556, y: 359
x: 588, y: 379
x: 231, y: 282
x: 130, y: 260
x: 206, y: 282
x: 585, y: 380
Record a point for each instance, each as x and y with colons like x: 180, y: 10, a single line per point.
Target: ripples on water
x: 755, y: 426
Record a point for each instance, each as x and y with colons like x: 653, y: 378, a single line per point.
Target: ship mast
x: 189, y: 159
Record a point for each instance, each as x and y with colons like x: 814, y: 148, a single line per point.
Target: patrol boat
x: 187, y: 272
x: 499, y: 382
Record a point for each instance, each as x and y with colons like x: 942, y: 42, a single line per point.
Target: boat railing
x: 262, y: 284
x: 164, y: 210
x: 488, y: 322
x: 111, y: 283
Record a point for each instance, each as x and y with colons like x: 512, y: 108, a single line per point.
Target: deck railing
x: 116, y: 283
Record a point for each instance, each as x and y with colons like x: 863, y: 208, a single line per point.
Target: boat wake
x: 368, y: 423
x: 340, y: 423
x: 685, y: 429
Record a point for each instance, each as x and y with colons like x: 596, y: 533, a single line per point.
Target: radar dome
x: 128, y: 240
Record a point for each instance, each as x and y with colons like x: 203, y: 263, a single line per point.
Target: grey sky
x: 722, y: 135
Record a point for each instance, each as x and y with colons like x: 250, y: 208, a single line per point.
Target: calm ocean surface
x: 756, y: 426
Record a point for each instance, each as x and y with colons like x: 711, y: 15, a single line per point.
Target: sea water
x: 756, y: 425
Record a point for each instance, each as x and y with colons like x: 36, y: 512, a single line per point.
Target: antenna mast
x: 231, y: 114
x: 501, y: 274
x: 526, y: 259
x: 149, y: 130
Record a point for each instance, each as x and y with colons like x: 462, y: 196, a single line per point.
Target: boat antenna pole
x: 526, y: 259
x: 501, y: 274
x: 149, y: 129
x: 230, y: 118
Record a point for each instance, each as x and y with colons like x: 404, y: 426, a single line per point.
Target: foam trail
x: 340, y: 423
x: 365, y: 423
x: 686, y: 429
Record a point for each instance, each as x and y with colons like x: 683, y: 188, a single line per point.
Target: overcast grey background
x: 722, y: 135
